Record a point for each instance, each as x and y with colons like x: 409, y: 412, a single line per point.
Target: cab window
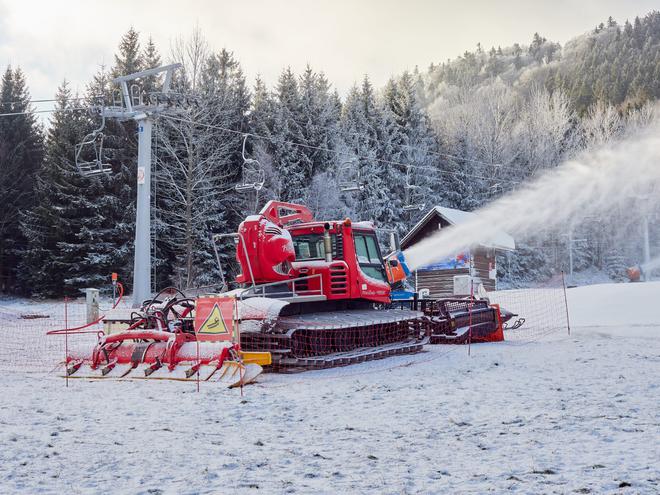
x: 368, y: 256
x: 310, y: 247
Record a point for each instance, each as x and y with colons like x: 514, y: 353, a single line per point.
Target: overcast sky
x: 53, y: 40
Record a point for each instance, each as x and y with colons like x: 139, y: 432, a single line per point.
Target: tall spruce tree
x: 52, y: 259
x: 369, y: 134
x: 414, y: 144
x: 319, y: 120
x: 21, y: 154
x: 290, y: 160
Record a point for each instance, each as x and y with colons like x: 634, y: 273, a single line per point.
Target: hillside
x: 615, y: 63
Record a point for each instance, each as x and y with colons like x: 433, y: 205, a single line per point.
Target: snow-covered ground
x: 568, y: 414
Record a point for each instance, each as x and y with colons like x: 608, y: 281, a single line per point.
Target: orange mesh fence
x: 538, y: 312
x: 24, y: 343
x: 318, y: 341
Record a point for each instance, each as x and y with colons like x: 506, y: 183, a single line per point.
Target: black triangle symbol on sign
x: 214, y: 322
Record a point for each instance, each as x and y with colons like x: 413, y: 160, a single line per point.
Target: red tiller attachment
x: 173, y: 340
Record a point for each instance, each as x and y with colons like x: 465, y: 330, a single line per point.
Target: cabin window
x: 310, y: 247
x: 368, y: 256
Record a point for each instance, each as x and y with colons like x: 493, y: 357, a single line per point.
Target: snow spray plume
x: 591, y: 184
x: 651, y: 265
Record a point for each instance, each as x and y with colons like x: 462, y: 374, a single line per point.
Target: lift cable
x: 431, y: 152
x: 10, y: 114
x: 321, y: 148
x: 309, y: 146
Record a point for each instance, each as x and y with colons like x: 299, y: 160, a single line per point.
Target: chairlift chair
x: 136, y: 95
x: 349, y: 178
x: 253, y: 176
x: 117, y: 101
x: 412, y: 206
x: 93, y: 141
x: 412, y: 195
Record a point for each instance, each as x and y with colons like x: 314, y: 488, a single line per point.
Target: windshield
x: 368, y: 255
x: 311, y: 247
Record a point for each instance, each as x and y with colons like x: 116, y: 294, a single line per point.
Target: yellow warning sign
x: 214, y: 323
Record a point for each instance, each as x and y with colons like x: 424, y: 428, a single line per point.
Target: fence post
x: 470, y: 316
x: 568, y: 321
x: 92, y: 300
x: 66, y: 341
x: 236, y: 323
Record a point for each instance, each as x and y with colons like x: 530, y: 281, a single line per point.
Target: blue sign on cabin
x: 460, y: 261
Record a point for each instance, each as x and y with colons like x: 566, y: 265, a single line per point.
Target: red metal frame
x: 275, y: 212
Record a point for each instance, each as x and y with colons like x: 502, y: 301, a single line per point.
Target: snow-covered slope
x: 615, y: 305
x: 574, y: 414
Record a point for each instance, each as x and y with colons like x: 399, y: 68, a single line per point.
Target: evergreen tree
x: 21, y: 154
x: 129, y: 58
x: 319, y: 120
x: 110, y: 228
x: 415, y: 144
x: 291, y: 160
x: 59, y: 195
x: 370, y: 135
x: 151, y: 59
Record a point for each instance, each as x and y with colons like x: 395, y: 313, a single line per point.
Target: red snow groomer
x: 315, y: 292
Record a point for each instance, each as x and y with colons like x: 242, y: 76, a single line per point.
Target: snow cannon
x: 397, y: 268
x: 634, y: 273
x: 176, y: 338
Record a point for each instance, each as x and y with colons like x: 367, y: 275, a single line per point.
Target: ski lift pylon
x: 93, y: 140
x: 253, y: 176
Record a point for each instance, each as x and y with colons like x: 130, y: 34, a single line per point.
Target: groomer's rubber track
x: 339, y: 338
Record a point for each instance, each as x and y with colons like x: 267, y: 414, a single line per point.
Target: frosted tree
x: 150, y: 59
x: 369, y: 137
x: 260, y: 123
x: 544, y: 129
x: 21, y: 153
x: 289, y: 158
x: 111, y: 218
x: 319, y: 120
x: 45, y: 263
x: 325, y: 199
x: 129, y: 58
x: 198, y: 164
x: 601, y: 124
x: 491, y: 127
x: 494, y: 118
x: 414, y: 144
x: 224, y: 85
x: 193, y: 174
x: 74, y: 229
x: 461, y: 128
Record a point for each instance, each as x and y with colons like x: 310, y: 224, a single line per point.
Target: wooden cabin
x: 479, y: 261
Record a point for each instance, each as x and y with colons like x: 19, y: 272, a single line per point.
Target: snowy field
x: 567, y: 414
